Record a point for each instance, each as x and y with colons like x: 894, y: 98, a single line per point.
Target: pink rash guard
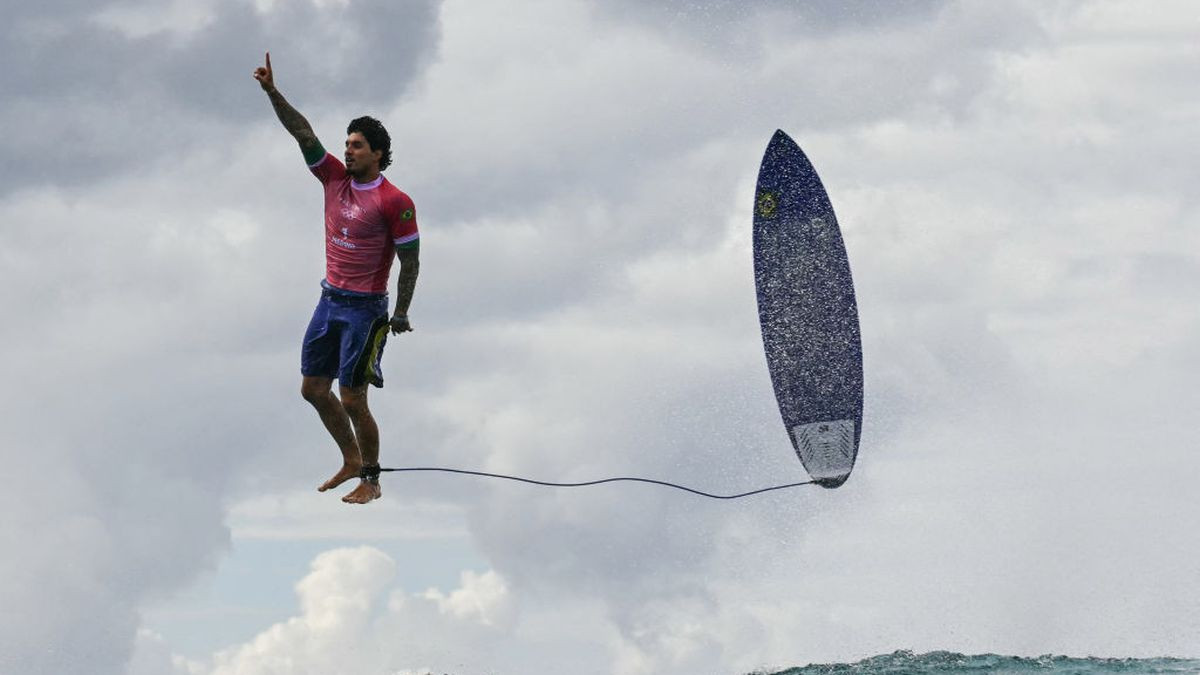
x: 363, y: 225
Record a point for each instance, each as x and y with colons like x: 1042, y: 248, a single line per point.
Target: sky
x: 1015, y: 182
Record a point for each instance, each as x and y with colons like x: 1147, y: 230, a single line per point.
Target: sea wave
x: 905, y: 662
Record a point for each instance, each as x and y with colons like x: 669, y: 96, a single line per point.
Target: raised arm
x: 292, y: 120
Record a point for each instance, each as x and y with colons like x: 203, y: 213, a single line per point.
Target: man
x: 366, y: 218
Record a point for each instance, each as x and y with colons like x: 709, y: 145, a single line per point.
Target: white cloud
x: 1020, y: 213
x: 352, y: 620
x: 336, y: 600
x: 482, y: 597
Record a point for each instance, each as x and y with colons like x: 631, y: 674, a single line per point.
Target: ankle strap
x: 370, y: 472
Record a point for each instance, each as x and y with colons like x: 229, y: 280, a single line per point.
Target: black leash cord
x: 584, y: 484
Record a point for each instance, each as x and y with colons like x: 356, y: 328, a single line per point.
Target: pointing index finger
x: 268, y: 61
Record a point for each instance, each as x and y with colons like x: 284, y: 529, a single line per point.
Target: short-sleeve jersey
x: 364, y: 222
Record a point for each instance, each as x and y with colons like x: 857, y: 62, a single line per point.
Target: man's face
x: 360, y: 159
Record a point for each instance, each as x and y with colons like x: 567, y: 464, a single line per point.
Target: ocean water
x: 908, y: 663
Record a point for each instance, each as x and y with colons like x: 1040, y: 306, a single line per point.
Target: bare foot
x: 347, y: 472
x: 364, y: 493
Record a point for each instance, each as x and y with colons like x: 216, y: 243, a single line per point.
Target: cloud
x: 299, y: 516
x: 131, y: 88
x: 1019, y: 213
x: 989, y: 244
x: 483, y: 598
x: 351, y: 619
x: 132, y: 319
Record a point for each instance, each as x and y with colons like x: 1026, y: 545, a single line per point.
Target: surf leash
x: 372, y: 473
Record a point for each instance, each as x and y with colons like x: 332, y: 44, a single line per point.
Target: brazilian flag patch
x: 766, y: 204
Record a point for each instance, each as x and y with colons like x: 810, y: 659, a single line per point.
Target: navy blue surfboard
x: 808, y: 313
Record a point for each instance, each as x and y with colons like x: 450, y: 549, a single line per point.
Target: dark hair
x: 377, y: 137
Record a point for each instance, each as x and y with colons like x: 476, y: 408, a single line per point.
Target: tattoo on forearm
x: 409, y: 269
x: 292, y: 120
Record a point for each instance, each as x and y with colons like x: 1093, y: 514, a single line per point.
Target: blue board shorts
x: 345, y: 338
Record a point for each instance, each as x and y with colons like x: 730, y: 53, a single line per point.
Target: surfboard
x: 808, y: 313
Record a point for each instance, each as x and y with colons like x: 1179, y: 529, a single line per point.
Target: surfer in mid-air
x: 366, y: 220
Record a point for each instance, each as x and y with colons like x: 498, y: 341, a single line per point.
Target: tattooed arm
x: 410, y: 267
x: 292, y: 120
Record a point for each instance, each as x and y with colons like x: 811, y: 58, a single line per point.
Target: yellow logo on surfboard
x: 766, y: 204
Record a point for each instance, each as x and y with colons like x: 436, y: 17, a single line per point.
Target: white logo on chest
x: 350, y: 211
x: 344, y: 240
